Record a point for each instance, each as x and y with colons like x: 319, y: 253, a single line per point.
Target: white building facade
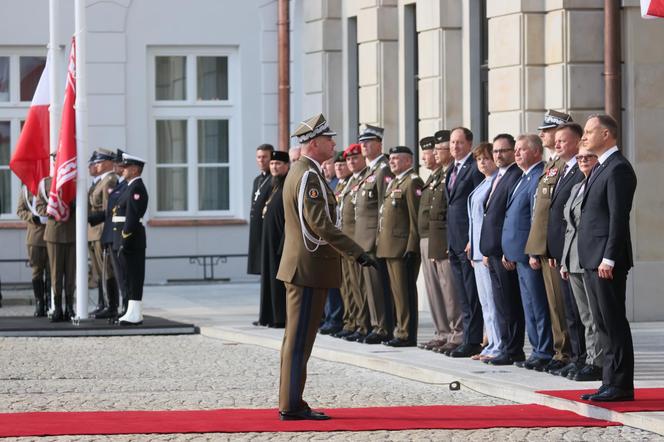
x: 192, y: 87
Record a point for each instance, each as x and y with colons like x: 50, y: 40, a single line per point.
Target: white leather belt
x: 121, y: 219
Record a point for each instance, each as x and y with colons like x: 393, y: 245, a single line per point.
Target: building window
x: 196, y: 132
x: 20, y: 71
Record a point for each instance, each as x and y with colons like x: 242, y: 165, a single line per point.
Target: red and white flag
x: 63, y: 185
x: 30, y: 158
x: 652, y: 8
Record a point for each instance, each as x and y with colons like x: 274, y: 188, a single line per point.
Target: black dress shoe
x: 396, y: 342
x: 522, y: 363
x: 57, y: 315
x: 356, y: 337
x: 465, y: 351
x: 588, y: 373
x: 572, y: 367
x: 554, y: 365
x: 306, y: 414
x: 587, y: 396
x: 501, y: 360
x: 447, y: 348
x: 330, y: 329
x: 613, y: 394
x: 537, y: 364
x: 343, y: 333
x: 375, y: 338
x: 277, y: 325
x: 107, y: 313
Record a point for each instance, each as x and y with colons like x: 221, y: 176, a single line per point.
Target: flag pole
x: 55, y: 79
x: 81, y: 107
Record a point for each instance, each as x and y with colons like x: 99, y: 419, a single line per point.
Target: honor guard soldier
x: 311, y: 260
x: 399, y: 243
x: 113, y: 233
x: 130, y: 209
x: 536, y: 245
x: 367, y: 202
x: 37, y: 255
x: 105, y: 180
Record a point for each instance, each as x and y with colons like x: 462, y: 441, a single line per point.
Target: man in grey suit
x: 571, y: 270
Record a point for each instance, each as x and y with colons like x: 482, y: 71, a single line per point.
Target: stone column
x: 322, y: 62
x: 516, y: 65
x: 439, y: 65
x: 574, y: 57
x: 377, y: 33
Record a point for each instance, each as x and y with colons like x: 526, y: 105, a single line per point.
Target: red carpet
x: 262, y: 420
x: 645, y: 399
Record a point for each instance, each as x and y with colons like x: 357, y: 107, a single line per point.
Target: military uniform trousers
x: 133, y: 261
x: 554, y: 297
x: 62, y: 262
x: 445, y: 311
x: 375, y: 282
x: 594, y: 353
x: 103, y: 266
x: 119, y: 271
x: 403, y: 280
x: 351, y: 308
x: 38, y: 260
x: 304, y: 307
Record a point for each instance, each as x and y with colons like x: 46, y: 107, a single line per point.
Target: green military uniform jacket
x: 397, y: 229
x: 536, y: 244
x: 27, y: 210
x: 56, y: 231
x: 313, y: 244
x: 368, y: 199
x: 425, y: 203
x: 438, y: 216
x: 347, y: 204
x: 98, y: 201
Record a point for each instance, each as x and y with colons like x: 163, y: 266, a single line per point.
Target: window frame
x: 15, y: 111
x: 192, y: 110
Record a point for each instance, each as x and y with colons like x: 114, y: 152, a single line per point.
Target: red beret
x: 353, y: 149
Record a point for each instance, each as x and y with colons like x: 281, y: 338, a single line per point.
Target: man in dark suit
x: 605, y: 254
x: 461, y: 179
x: 567, y: 139
x: 504, y: 282
x: 260, y: 192
x: 518, y: 218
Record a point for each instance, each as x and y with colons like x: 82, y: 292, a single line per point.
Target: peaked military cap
x: 311, y: 128
x: 442, y: 136
x: 554, y: 119
x: 427, y: 143
x: 371, y: 133
x: 279, y: 155
x: 339, y: 157
x: 353, y: 149
x: 401, y: 149
x: 132, y: 160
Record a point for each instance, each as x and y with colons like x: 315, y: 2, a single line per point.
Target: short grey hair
x: 533, y: 140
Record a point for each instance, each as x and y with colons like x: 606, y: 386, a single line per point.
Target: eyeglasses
x: 502, y: 150
x: 585, y: 157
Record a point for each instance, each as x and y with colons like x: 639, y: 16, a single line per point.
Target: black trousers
x: 607, y: 303
x: 119, y: 271
x: 509, y: 310
x: 575, y: 328
x: 463, y: 278
x: 134, y: 263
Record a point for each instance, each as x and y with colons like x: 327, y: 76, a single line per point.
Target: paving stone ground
x: 197, y: 372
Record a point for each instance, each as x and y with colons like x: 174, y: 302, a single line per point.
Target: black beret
x: 427, y: 143
x: 442, y: 136
x: 401, y: 149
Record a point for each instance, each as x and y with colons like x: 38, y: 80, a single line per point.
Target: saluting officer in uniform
x: 311, y: 260
x: 367, y: 202
x: 37, y: 255
x: 105, y: 181
x: 130, y: 209
x: 399, y: 243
